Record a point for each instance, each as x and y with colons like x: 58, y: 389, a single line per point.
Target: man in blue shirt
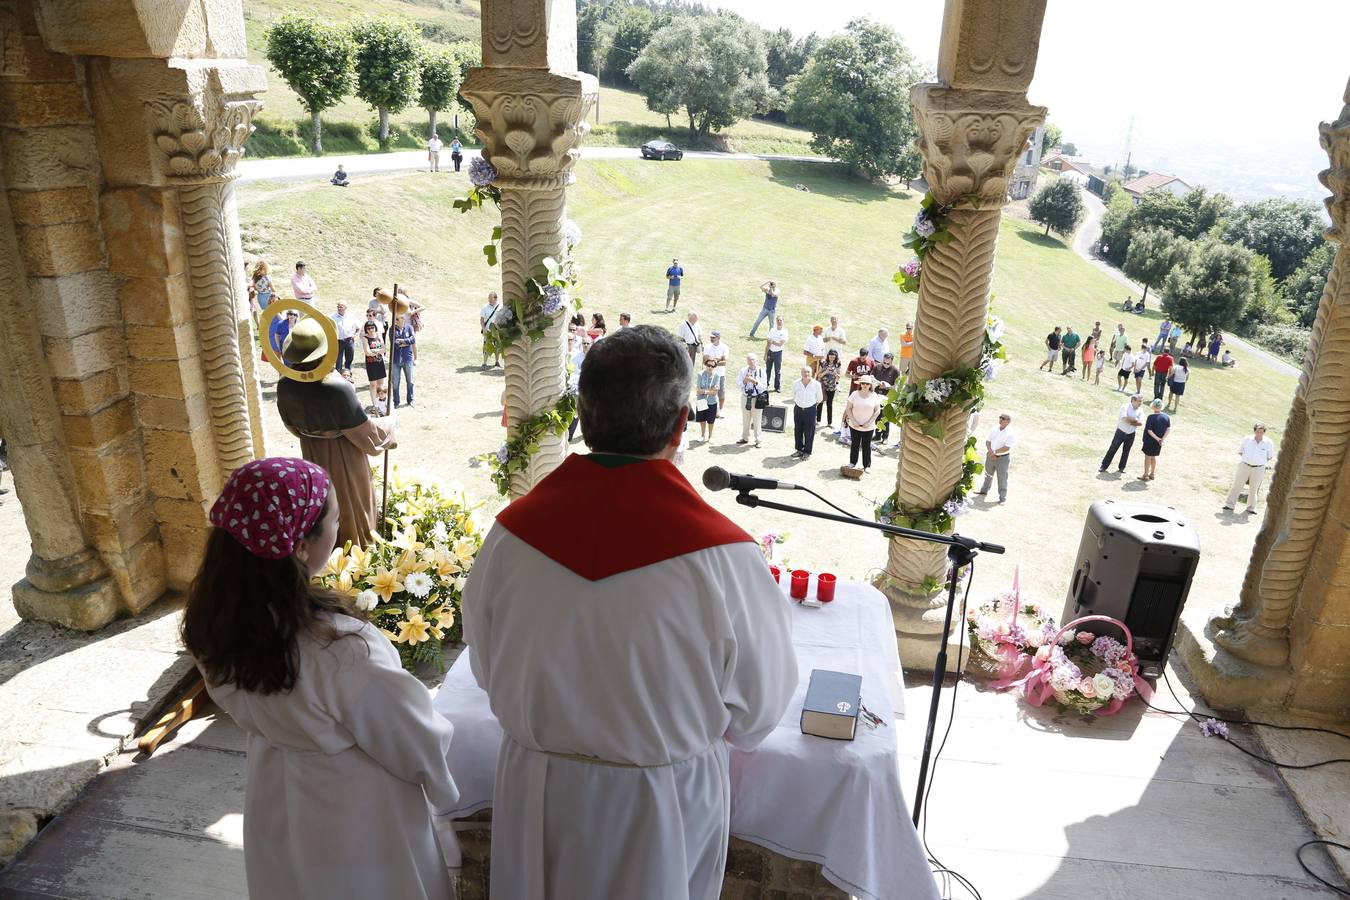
x: 673, y: 276
x: 766, y: 312
x: 405, y: 352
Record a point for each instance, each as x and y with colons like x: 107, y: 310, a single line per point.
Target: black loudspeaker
x: 775, y: 419
x: 1135, y: 563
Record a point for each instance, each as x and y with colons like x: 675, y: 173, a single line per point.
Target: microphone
x: 716, y: 478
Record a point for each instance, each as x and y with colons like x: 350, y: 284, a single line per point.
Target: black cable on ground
x: 1299, y: 855
x: 942, y: 869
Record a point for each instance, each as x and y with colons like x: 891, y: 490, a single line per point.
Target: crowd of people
x: 388, y: 376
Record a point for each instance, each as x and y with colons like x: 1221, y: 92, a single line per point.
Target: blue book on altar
x: 833, y: 700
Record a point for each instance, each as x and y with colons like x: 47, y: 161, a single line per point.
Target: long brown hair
x: 245, y: 615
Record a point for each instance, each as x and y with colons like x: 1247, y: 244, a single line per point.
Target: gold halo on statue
x: 325, y: 364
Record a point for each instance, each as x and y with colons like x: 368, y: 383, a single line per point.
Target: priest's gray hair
x: 633, y: 385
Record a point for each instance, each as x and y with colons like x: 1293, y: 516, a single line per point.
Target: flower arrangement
x: 770, y: 543
x: 926, y: 401
x: 529, y: 317
x: 1085, y: 672
x: 412, y: 584
x: 1005, y: 632
x: 523, y: 442
x: 930, y: 228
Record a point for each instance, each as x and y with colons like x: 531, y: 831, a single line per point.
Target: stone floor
x: 1026, y: 803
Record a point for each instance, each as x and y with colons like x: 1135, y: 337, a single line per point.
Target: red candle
x: 800, y: 578
x: 775, y: 572
x: 825, y: 587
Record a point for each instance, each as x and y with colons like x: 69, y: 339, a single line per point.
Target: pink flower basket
x: 1085, y: 673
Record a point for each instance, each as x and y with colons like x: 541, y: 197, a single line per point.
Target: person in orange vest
x: 906, y: 346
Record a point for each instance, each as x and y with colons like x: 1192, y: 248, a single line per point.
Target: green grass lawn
x: 831, y: 248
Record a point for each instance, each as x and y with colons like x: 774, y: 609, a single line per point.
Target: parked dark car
x: 661, y: 150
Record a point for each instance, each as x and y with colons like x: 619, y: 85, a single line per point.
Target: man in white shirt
x: 878, y: 347
x: 346, y: 332
x: 835, y: 335
x: 1131, y: 417
x: 616, y: 711
x: 1126, y: 368
x: 717, y: 351
x: 302, y: 286
x: 1256, y: 453
x: 751, y: 383
x: 692, y: 335
x: 998, y: 456
x: 806, y: 396
x: 434, y: 152
x: 815, y: 350
x: 1142, y: 358
x: 773, y: 354
x: 486, y: 318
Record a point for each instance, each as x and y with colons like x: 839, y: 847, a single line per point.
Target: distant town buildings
x: 1154, y: 181
x: 1028, y: 167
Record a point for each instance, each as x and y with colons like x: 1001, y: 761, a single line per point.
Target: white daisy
x: 418, y: 584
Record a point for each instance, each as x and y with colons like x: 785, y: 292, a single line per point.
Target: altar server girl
x: 348, y: 783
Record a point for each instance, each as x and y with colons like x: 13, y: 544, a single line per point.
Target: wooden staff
x: 389, y: 408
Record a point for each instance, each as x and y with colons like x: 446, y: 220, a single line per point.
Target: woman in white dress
x: 348, y: 780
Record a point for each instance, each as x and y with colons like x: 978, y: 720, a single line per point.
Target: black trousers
x: 1159, y: 384
x: 1068, y: 361
x: 774, y: 369
x: 457, y: 160
x: 1122, y: 441
x: 346, y: 352
x: 826, y: 408
x: 859, y: 440
x: 804, y: 428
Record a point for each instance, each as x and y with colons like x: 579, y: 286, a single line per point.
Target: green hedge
x: 275, y: 138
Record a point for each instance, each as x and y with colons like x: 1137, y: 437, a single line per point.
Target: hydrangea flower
x: 571, y: 233
x: 503, y: 454
x: 1066, y: 677
x: 1124, y: 681
x: 1108, y: 649
x: 923, y: 225
x: 911, y: 268
x: 1213, y: 728
x: 506, y: 316
x: 988, y: 369
x: 937, y: 390
x: 555, y: 299
x: 481, y: 172
x: 954, y: 507
x: 993, y: 327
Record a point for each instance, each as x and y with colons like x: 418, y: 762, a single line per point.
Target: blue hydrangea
x: 555, y: 300
x: 924, y: 226
x: 988, y: 369
x: 503, y: 454
x: 572, y: 233
x: 954, y: 507
x: 481, y: 172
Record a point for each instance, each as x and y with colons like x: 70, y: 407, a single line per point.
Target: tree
x: 388, y: 54
x: 624, y: 35
x: 854, y: 97
x: 1058, y: 205
x: 440, y: 80
x: 712, y: 66
x: 1051, y: 138
x: 1117, y: 224
x: 1283, y: 231
x: 1153, y: 254
x: 1069, y: 149
x: 1305, y: 287
x: 1204, y: 210
x: 315, y: 60
x: 590, y: 16
x: 1210, y: 288
x: 1266, y: 305
x: 786, y: 57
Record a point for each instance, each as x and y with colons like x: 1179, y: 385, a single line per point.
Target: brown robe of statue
x: 336, y: 433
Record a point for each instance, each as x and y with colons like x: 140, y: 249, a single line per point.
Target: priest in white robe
x: 625, y: 632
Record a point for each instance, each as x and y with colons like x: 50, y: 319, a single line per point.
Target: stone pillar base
x: 1225, y: 681
x: 918, y: 632
x: 86, y: 607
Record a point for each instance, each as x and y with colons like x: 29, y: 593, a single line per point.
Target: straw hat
x: 305, y: 346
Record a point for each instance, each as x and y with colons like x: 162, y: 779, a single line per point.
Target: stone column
x: 531, y: 105
x: 1287, y: 643
x: 973, y: 126
x: 170, y: 134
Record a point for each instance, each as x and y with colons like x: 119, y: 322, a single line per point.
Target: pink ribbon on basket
x: 1011, y: 661
x: 1036, y: 688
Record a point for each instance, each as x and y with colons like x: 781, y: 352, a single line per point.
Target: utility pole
x: 1129, y: 140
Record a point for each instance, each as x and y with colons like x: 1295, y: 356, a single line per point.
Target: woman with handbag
x: 860, y: 415
x: 706, y: 406
x: 754, y: 388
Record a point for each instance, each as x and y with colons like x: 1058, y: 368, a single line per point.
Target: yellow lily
x: 465, y: 549
x: 386, y: 583
x: 414, y: 630
x: 408, y: 562
x: 359, y: 561
x: 345, y: 586
x: 336, y: 565
x: 408, y: 540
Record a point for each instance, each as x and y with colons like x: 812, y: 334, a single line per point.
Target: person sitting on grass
x: 1228, y: 362
x: 340, y: 176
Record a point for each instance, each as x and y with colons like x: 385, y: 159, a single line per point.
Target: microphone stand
x: 960, y: 550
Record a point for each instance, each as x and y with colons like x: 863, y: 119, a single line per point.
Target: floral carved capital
x: 201, y: 137
x: 1335, y: 138
x: 971, y: 140
x: 531, y: 123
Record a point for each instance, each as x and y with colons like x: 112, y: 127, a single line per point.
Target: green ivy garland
x: 528, y: 317
x: 940, y: 518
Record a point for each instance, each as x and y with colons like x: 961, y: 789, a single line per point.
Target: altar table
x: 835, y: 803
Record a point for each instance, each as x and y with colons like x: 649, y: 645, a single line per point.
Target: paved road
x: 300, y: 168
x: 1088, y: 233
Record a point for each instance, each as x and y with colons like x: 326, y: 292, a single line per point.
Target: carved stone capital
x: 970, y: 140
x: 1335, y: 138
x: 531, y: 123
x: 201, y: 138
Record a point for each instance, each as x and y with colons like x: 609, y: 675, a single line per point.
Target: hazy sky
x: 1223, y: 92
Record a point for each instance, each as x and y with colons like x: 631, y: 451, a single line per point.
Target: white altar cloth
x: 836, y: 803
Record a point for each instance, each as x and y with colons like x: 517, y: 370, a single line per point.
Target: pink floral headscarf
x: 268, y: 505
